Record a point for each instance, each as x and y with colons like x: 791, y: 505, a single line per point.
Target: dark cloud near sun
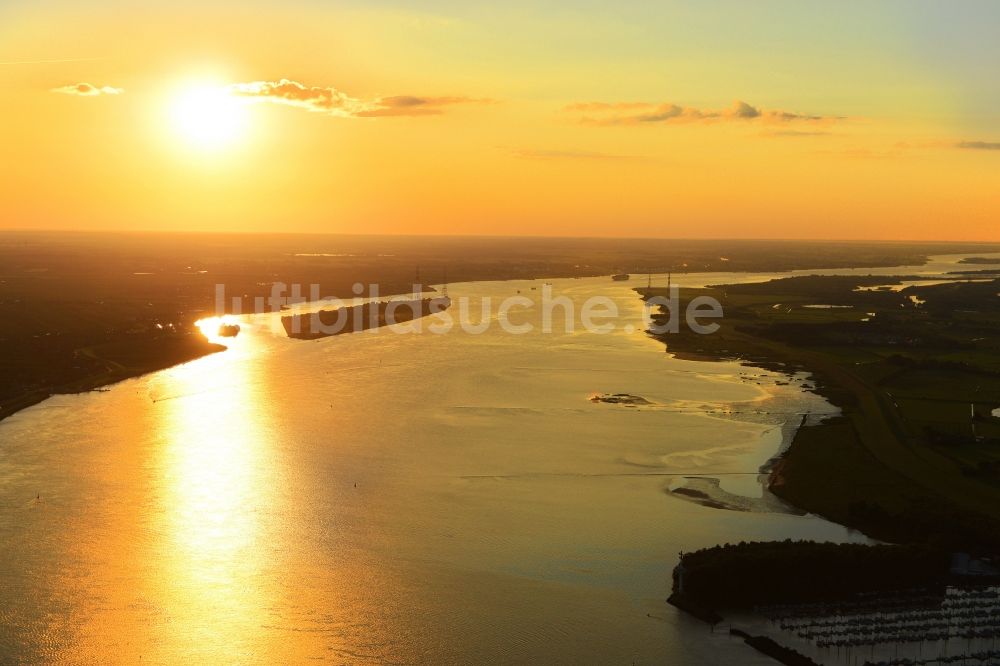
x: 409, y: 105
x: 338, y: 103
x: 87, y: 90
x: 292, y: 93
x: 979, y: 145
x: 644, y: 113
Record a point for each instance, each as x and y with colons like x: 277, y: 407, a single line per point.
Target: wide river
x: 389, y: 498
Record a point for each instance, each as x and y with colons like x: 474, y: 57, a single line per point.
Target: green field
x: 916, y: 454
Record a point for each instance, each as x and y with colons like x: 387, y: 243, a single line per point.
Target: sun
x: 209, y: 117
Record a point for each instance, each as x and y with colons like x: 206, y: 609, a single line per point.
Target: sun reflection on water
x: 219, y: 482
x: 210, y: 327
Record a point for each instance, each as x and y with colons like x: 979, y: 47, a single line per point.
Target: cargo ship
x: 228, y: 330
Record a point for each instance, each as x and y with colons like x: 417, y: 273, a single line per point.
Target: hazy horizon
x: 486, y: 236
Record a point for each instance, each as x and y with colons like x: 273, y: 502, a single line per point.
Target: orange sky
x: 799, y: 120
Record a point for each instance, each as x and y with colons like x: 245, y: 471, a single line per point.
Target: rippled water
x: 381, y: 498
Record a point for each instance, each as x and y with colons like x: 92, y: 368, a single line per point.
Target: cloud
x: 979, y: 145
x: 331, y: 101
x: 408, y: 105
x: 644, y: 113
x: 88, y: 90
x: 744, y: 110
x: 293, y: 93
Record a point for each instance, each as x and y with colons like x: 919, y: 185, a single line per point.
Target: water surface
x: 381, y: 498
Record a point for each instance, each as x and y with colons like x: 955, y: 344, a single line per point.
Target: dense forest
x: 747, y: 574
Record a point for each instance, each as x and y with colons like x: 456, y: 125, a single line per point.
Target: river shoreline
x: 869, y: 445
x: 908, y: 461
x: 113, y: 374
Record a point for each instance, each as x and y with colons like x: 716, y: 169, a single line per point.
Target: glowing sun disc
x: 209, y: 117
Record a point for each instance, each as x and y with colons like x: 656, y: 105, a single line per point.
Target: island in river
x: 362, y: 317
x: 81, y: 310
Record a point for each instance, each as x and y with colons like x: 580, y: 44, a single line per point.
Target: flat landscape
x: 458, y: 333
x: 81, y: 310
x: 915, y: 369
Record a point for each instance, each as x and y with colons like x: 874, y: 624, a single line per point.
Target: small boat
x: 228, y: 330
x: 620, y: 277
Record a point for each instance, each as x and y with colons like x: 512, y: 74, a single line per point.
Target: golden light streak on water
x: 217, y: 477
x: 209, y: 327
